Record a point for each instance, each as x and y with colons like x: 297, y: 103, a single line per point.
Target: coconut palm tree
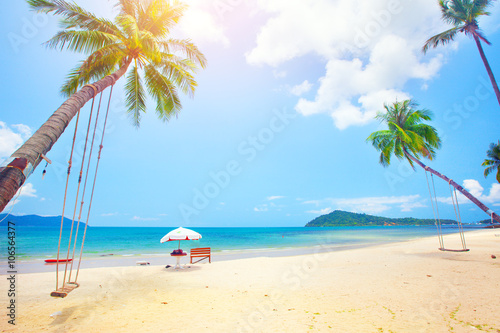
x: 136, y: 41
x: 494, y: 160
x: 407, y: 137
x: 463, y: 15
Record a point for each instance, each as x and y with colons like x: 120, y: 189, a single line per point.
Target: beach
x: 399, y: 287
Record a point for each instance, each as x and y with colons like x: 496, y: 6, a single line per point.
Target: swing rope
x: 86, y: 178
x: 64, y: 290
x: 435, y: 210
x: 76, y: 201
x: 95, y: 177
x: 456, y: 207
x: 65, y: 196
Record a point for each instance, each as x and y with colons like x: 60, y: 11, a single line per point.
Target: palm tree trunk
x: 488, y: 68
x: 458, y: 187
x: 28, y: 156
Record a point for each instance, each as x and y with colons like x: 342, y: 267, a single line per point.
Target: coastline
x: 267, y: 242
x: 38, y: 265
x: 404, y: 287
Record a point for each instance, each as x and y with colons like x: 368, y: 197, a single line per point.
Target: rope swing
x: 435, y: 210
x: 67, y: 283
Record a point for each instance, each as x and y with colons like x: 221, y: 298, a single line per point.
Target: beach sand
x: 399, y: 287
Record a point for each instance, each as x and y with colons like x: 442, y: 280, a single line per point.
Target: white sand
x: 403, y: 287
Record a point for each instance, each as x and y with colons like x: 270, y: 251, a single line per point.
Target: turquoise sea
x: 37, y: 244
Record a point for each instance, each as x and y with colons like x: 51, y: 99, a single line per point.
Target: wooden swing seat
x: 448, y: 250
x: 63, y: 292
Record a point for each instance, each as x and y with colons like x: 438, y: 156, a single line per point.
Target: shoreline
x: 38, y: 265
x: 106, y: 260
x: 407, y: 286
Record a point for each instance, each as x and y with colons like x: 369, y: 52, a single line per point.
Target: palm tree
x: 138, y: 38
x: 407, y: 137
x: 463, y: 15
x: 494, y: 160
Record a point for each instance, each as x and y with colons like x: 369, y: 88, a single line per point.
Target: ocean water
x: 35, y: 243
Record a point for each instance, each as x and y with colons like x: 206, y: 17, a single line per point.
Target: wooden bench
x: 201, y: 252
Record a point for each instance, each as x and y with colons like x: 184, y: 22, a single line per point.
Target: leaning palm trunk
x: 29, y: 155
x: 458, y: 187
x: 488, y: 68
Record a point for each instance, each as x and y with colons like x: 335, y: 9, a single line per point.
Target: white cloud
x: 27, y: 190
x: 269, y: 206
x: 12, y: 138
x: 369, y: 205
x: 301, y: 88
x: 261, y: 208
x: 138, y: 218
x: 109, y: 214
x: 321, y: 211
x: 200, y: 25
x: 372, y: 49
x: 279, y: 74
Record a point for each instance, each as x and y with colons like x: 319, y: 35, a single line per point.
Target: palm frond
x: 73, y: 81
x: 398, y: 149
x: 164, y: 91
x: 187, y: 48
x: 480, y: 35
x: 181, y: 77
x: 489, y: 169
x: 99, y: 64
x: 73, y: 15
x: 81, y: 40
x: 453, y: 12
x: 150, y: 47
x: 135, y: 97
x: 128, y: 24
x: 127, y: 7
x: 380, y: 138
x: 401, y: 133
x: 160, y: 16
x: 479, y: 7
x: 416, y: 116
x: 442, y: 38
x: 383, y: 141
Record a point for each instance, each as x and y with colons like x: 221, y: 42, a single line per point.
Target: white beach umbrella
x: 180, y: 234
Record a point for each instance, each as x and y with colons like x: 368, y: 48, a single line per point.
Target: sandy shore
x: 402, y: 287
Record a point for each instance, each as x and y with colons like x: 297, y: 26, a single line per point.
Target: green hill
x: 38, y: 221
x: 340, y: 218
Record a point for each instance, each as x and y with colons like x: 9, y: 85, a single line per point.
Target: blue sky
x: 275, y: 135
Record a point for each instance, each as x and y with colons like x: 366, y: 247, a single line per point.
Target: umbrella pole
x: 179, y: 244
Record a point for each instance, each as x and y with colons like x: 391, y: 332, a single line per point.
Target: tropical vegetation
x: 135, y: 44
x: 492, y: 163
x: 463, y: 16
x: 339, y: 218
x: 409, y: 138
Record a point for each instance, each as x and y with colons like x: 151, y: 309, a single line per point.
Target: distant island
x: 38, y: 221
x: 339, y: 218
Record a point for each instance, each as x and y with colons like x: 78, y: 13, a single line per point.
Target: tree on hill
x: 340, y: 218
x: 135, y: 44
x: 407, y: 137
